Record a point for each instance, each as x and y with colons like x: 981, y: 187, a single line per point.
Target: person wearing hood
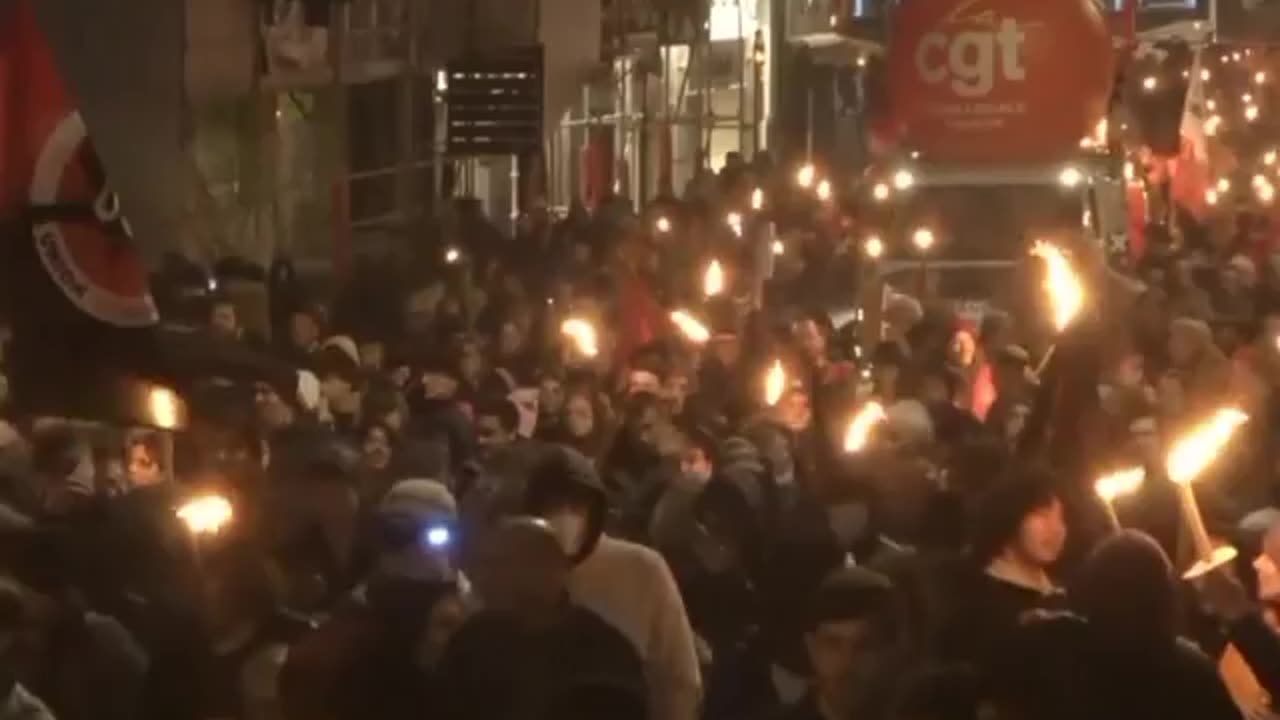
x: 1017, y: 535
x: 628, y: 585
x: 375, y: 656
x: 531, y: 645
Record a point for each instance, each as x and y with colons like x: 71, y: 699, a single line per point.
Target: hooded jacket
x: 629, y: 586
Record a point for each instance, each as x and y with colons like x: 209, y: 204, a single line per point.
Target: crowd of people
x: 481, y: 516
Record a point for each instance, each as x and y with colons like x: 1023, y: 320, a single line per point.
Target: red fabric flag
x: 1191, y: 170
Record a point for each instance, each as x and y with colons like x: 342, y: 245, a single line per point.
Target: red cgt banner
x: 999, y: 82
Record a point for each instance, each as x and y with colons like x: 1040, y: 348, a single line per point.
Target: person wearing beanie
x: 628, y: 585
x: 375, y: 656
x: 850, y: 627
x: 337, y: 365
x: 1017, y: 534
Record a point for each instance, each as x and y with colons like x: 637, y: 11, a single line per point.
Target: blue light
x: 438, y: 537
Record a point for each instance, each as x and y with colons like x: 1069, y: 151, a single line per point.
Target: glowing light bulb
x: 824, y: 190
x: 903, y: 179
x: 1251, y: 113
x: 880, y: 192
x: 1260, y: 78
x: 1070, y: 177
x: 1223, y: 185
x: 874, y: 247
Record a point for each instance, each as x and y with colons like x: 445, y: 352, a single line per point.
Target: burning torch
x: 1110, y: 487
x: 858, y: 435
x: 775, y: 383
x: 1187, y: 460
x: 1066, y: 292
x: 713, y: 279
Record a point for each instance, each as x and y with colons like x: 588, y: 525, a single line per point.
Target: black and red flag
x: 87, y: 338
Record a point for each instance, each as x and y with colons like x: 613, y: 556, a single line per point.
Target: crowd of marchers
x: 480, y: 516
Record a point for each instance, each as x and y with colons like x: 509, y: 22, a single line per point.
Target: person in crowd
x: 375, y: 657
x: 533, y: 646
x: 1018, y: 533
x: 850, y: 632
x: 697, y: 553
x: 337, y: 364
x: 304, y: 333
x: 224, y: 322
x: 628, y: 585
x: 145, y: 457
x: 1122, y: 657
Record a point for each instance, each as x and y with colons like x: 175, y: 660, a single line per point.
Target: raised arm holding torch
x: 1187, y: 460
x: 858, y: 435
x: 1066, y: 292
x: 1110, y: 487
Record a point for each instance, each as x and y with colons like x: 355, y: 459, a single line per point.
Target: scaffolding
x: 679, y: 93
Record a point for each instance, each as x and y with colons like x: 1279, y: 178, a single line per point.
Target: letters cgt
x: 1002, y: 82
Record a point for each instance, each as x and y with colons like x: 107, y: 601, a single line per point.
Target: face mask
x: 570, y: 529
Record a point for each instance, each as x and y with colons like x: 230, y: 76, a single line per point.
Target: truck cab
x: 956, y: 235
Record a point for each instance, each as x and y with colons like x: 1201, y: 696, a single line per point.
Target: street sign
x: 494, y: 103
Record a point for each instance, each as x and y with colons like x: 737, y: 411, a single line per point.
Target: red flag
x: 54, y: 181
x: 86, y: 335
x: 1191, y: 172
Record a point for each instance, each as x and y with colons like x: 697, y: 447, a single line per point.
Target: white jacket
x: 631, y: 588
